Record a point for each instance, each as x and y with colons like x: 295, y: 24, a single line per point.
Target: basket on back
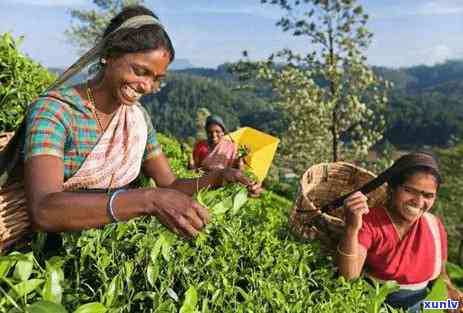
x: 320, y: 185
x: 14, y: 220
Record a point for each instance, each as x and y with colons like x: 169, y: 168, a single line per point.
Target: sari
x: 61, y: 124
x: 223, y: 155
x: 412, y: 261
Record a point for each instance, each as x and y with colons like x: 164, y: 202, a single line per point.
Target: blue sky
x: 211, y: 32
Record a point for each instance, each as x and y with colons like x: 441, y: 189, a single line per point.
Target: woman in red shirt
x: 218, y: 151
x: 401, y: 241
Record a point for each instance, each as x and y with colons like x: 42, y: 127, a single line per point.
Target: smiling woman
x: 85, y: 144
x: 401, y: 241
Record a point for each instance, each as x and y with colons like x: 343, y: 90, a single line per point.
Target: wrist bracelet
x: 110, y: 208
x: 347, y: 255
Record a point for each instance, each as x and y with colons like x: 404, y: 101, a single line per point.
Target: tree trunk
x: 334, y: 127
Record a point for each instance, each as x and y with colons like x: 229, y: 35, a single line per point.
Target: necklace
x: 94, y: 110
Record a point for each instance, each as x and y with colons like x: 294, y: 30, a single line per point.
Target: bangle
x: 110, y: 208
x: 347, y: 255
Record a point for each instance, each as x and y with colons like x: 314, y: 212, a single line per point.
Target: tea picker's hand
x: 355, y: 206
x: 232, y: 175
x: 177, y: 211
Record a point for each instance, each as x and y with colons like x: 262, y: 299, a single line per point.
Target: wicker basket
x: 321, y: 184
x: 14, y: 220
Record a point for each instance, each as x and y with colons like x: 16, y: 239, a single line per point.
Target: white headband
x: 95, y: 52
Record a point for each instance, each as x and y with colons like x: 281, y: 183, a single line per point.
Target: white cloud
x: 51, y: 3
x: 427, y: 8
x: 437, y: 54
x: 441, y: 7
x: 219, y: 8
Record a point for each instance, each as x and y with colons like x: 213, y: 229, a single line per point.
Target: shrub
x: 21, y: 80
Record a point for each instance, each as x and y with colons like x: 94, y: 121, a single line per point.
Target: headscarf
x: 215, y: 119
x: 404, y: 163
x: 96, y: 52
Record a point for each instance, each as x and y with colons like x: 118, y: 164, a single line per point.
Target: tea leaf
x: 93, y: 307
x: 46, y: 307
x: 23, y: 268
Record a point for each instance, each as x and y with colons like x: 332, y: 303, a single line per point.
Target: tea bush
x: 21, y: 80
x: 244, y: 261
x: 449, y: 205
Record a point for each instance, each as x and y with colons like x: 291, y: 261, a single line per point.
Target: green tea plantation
x: 244, y: 261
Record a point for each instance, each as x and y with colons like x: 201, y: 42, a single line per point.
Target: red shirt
x: 407, y: 261
x: 200, y: 152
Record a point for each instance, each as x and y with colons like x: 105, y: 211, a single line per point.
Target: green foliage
x: 201, y: 116
x: 240, y: 263
x: 378, y: 293
x: 245, y: 260
x: 455, y: 273
x: 177, y: 154
x: 330, y: 94
x: 173, y: 108
x: 425, y: 106
x: 449, y: 205
x: 21, y: 81
x: 437, y: 293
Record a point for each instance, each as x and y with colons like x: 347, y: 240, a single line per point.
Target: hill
x: 180, y: 64
x: 174, y: 108
x: 425, y: 107
x: 426, y: 103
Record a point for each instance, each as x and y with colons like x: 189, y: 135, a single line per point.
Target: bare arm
x: 53, y: 209
x: 352, y: 255
x: 158, y: 168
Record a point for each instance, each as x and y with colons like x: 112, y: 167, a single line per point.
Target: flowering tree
x: 334, y: 100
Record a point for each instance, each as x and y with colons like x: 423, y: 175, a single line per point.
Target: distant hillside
x: 419, y: 77
x: 425, y: 107
x: 426, y: 104
x: 221, y: 72
x: 74, y: 80
x: 180, y: 64
x: 174, y: 108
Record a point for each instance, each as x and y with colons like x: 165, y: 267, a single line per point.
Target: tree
x: 201, y: 117
x: 330, y: 93
x: 89, y: 25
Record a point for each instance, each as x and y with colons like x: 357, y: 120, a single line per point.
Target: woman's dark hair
x: 215, y: 120
x: 132, y: 40
x: 402, y: 177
